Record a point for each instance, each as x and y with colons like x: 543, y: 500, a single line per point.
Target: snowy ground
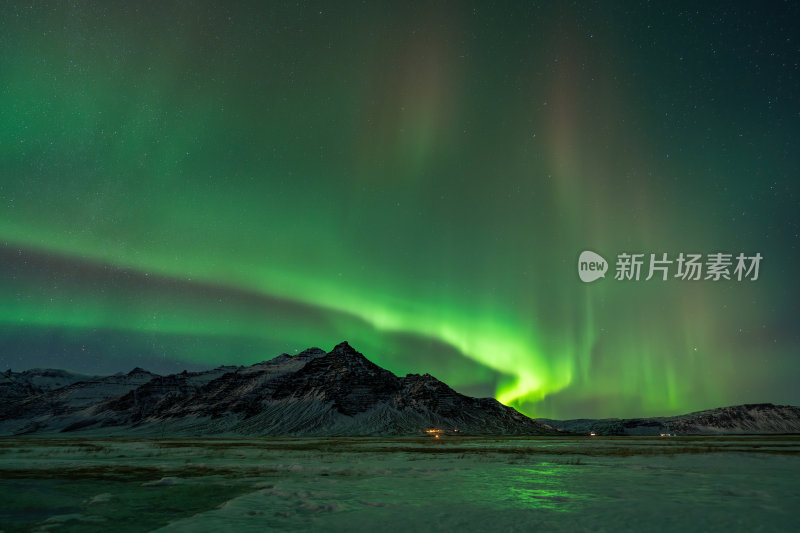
x: 408, y: 484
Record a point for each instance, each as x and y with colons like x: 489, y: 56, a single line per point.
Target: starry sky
x: 190, y: 184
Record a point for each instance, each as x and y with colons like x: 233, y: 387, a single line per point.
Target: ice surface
x: 401, y: 484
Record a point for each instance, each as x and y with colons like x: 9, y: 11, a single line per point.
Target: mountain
x: 35, y: 381
x: 57, y: 407
x: 763, y: 418
x: 312, y: 393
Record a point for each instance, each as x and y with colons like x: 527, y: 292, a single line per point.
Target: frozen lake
x: 401, y: 484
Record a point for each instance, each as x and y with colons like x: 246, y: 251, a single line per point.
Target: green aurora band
x: 231, y: 182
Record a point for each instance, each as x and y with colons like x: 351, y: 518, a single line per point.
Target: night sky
x: 190, y: 184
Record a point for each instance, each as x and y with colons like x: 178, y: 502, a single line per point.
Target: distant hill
x: 763, y: 418
x: 312, y: 393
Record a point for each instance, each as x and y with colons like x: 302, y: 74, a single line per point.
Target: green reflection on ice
x: 544, y: 486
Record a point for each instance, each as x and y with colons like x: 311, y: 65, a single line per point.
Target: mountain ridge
x: 313, y: 393
x: 760, y: 418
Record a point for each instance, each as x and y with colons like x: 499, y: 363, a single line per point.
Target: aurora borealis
x: 191, y: 184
